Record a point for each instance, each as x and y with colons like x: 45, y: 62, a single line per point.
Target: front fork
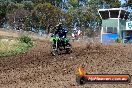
x: 56, y: 46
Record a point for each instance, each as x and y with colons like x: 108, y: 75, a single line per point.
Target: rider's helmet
x: 65, y: 30
x: 59, y: 26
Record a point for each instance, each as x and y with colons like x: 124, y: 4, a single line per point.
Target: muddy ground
x: 38, y: 69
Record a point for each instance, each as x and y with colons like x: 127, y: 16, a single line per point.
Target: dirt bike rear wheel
x: 55, y: 52
x: 68, y: 48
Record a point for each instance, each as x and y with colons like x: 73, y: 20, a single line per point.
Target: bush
x: 25, y: 39
x: 9, y: 48
x: 118, y: 40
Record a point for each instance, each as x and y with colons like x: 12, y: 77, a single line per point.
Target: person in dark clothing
x: 61, y: 32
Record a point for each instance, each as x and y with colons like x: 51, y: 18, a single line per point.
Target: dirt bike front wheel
x: 55, y: 52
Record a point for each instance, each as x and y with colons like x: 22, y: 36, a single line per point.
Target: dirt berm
x: 38, y: 69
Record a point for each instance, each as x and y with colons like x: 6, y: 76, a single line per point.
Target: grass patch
x: 12, y: 47
x: 25, y: 39
x: 118, y: 40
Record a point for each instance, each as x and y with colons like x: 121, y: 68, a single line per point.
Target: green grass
x: 14, y: 47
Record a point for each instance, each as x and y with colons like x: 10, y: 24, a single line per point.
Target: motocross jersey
x: 61, y: 32
x: 75, y: 30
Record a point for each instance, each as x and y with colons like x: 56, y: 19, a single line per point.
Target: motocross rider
x: 61, y: 32
x: 76, y: 29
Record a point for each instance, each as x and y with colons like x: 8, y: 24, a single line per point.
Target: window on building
x: 104, y: 14
x: 122, y: 14
x: 110, y: 30
x: 114, y: 13
x: 115, y: 30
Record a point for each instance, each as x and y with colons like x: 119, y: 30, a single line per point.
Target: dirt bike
x: 59, y: 45
x: 75, y: 36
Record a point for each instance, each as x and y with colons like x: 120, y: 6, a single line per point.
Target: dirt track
x: 38, y: 69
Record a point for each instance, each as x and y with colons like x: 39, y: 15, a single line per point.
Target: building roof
x: 113, y: 9
x: 114, y: 13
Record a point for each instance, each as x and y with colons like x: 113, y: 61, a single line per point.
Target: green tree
x: 28, y: 5
x: 74, y: 3
x: 129, y: 3
x: 115, y: 3
x: 50, y: 15
x: 3, y: 10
